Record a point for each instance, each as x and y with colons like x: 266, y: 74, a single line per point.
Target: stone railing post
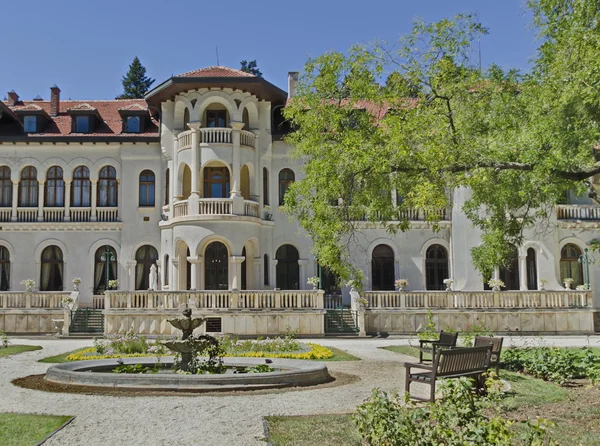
x: 28, y: 300
x: 235, y: 298
x: 66, y: 320
x: 277, y: 298
x: 496, y: 299
x: 236, y: 262
x: 106, y: 301
x: 129, y: 300
x: 320, y: 303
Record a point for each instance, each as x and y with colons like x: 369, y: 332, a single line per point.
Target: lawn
x: 59, y: 359
x: 322, y: 430
x: 27, y: 430
x: 16, y: 349
x: 403, y: 350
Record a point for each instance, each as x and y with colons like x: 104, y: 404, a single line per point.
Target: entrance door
x: 216, y: 267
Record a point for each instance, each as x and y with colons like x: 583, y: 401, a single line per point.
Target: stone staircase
x: 340, y: 321
x: 86, y: 321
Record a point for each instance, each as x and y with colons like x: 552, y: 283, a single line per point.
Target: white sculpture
x: 153, y: 278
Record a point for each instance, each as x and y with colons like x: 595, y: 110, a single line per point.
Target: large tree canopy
x: 423, y: 119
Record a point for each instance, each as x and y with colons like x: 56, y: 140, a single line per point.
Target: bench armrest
x: 417, y: 365
x: 426, y: 341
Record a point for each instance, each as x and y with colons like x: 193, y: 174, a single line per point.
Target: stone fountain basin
x: 94, y: 373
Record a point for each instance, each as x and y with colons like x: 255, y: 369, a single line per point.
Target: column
x: 236, y: 262
x: 303, y: 278
x: 174, y: 285
x: 174, y: 175
x: 195, y: 271
x: 131, y: 264
x: 93, y: 197
x: 41, y: 200
x: 273, y: 275
x: 257, y: 174
x: 67, y: 201
x: 257, y: 279
x: 235, y: 167
x: 523, y: 273
x: 193, y: 199
x: 15, y: 200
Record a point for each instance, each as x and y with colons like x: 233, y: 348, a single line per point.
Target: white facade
x: 204, y: 132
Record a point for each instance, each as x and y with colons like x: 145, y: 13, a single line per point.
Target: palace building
x: 181, y: 191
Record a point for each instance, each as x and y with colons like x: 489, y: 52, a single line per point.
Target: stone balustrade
x: 54, y: 214
x: 577, y: 212
x: 27, y: 215
x: 180, y: 208
x: 215, y: 206
x: 60, y: 214
x: 43, y: 299
x: 185, y: 139
x: 81, y: 214
x: 107, y: 214
x: 5, y: 214
x: 479, y: 299
x: 217, y: 300
x: 216, y: 135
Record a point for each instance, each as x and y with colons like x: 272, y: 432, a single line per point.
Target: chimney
x: 292, y: 83
x: 54, y: 100
x: 13, y: 98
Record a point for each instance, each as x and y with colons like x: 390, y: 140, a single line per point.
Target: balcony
x: 577, y: 212
x: 216, y: 135
x: 60, y: 214
x: 216, y: 207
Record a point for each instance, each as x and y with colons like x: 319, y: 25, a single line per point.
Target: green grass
x: 339, y: 355
x: 322, y: 430
x: 27, y: 430
x: 403, y: 350
x: 59, y: 359
x: 16, y: 349
x: 528, y: 391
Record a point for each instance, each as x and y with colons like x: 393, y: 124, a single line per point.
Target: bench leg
x: 432, y: 391
x: 407, y: 382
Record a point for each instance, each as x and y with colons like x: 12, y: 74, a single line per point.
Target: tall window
x: 82, y: 124
x: 509, y: 274
x: 244, y: 285
x: 216, y: 267
x: 382, y: 268
x: 5, y: 187
x: 55, y: 187
x: 266, y: 269
x: 569, y: 264
x: 216, y: 118
x: 166, y: 268
x: 145, y: 256
x: 103, y: 258
x: 30, y: 124
x: 147, y: 188
x: 288, y: 269
x: 167, y: 187
x: 436, y: 267
x: 286, y: 177
x: 51, y: 276
x: 532, y: 282
x: 265, y: 186
x: 107, y: 187
x: 4, y: 269
x: 28, y: 188
x: 216, y: 182
x: 80, y: 191
x: 133, y: 124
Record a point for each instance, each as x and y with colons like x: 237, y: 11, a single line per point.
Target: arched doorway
x: 532, y: 281
x: 436, y: 267
x: 569, y: 264
x: 52, y: 271
x: 509, y: 273
x: 216, y: 267
x: 4, y: 269
x: 145, y: 256
x: 104, y: 255
x: 382, y: 268
x: 288, y: 269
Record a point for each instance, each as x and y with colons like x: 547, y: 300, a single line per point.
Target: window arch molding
x: 147, y: 188
x: 6, y: 186
x: 435, y: 241
x: 92, y: 251
x: 568, y: 255
x: 285, y: 177
x: 38, y: 257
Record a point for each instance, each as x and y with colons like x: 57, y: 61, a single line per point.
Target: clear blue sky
x: 86, y: 46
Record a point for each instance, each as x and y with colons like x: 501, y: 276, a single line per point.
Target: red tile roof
x: 110, y: 125
x: 216, y: 72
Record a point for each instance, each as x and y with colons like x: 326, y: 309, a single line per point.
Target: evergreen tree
x: 135, y: 83
x: 250, y: 67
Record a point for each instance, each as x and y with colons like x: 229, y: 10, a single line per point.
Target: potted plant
x: 113, y: 284
x: 76, y: 281
x: 496, y: 284
x: 401, y: 284
x: 314, y: 281
x: 448, y: 283
x: 29, y: 285
x: 568, y: 282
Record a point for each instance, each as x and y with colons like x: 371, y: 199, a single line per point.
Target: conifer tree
x: 250, y: 67
x: 135, y: 83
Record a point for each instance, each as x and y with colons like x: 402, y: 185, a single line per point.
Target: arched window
x: 532, y: 282
x: 509, y: 273
x: 569, y: 264
x: 5, y: 187
x: 265, y: 186
x: 28, y: 188
x: 288, y: 269
x: 4, y: 269
x: 166, y: 268
x: 55, y: 188
x: 107, y: 187
x: 266, y: 269
x: 106, y: 255
x: 51, y: 275
x: 167, y: 187
x: 382, y: 268
x: 216, y: 267
x: 286, y: 177
x: 244, y: 285
x: 80, y: 191
x: 146, y: 188
x: 436, y: 267
x: 216, y: 182
x: 145, y: 256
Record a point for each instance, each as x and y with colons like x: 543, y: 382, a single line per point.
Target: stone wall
x: 29, y: 321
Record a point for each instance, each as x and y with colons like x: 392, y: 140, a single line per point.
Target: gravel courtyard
x: 201, y: 420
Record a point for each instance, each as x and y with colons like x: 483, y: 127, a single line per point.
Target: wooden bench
x: 451, y: 363
x: 446, y: 340
x: 496, y: 344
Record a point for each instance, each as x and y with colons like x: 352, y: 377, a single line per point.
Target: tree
x: 515, y: 142
x: 135, y: 83
x: 250, y: 67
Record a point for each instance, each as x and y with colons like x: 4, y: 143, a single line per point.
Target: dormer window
x: 30, y: 124
x: 133, y: 124
x: 82, y: 124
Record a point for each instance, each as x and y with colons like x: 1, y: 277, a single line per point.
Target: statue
x: 153, y: 278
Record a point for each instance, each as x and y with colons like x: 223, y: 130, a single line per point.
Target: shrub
x: 4, y: 339
x: 554, y: 364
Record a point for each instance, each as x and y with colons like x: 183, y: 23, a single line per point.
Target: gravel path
x: 202, y: 420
